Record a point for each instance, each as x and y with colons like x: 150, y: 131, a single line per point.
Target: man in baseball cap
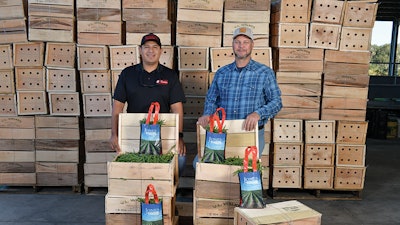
x: 151, y: 37
x: 246, y: 31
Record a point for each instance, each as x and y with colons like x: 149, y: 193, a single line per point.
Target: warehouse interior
x: 376, y: 203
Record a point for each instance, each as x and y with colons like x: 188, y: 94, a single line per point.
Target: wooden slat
x: 98, y: 14
x: 345, y: 92
x: 344, y: 103
x: 17, y: 156
x: 347, y: 57
x: 346, y: 80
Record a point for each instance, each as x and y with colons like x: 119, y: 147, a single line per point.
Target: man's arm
x: 117, y: 108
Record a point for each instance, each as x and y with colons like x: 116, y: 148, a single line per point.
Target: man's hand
x: 203, y: 121
x: 114, y: 144
x: 181, y: 147
x: 251, y: 121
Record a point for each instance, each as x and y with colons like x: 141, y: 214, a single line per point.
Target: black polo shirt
x: 139, y: 88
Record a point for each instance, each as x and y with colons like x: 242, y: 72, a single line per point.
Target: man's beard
x: 242, y: 57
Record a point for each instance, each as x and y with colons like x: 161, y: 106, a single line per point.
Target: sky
x: 381, y: 33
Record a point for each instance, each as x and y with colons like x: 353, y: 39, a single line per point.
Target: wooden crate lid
x: 95, y: 81
x: 30, y: 78
x: 32, y: 102
x: 92, y: 57
x: 64, y: 104
x: 287, y: 130
x: 257, y: 5
x: 60, y: 79
x: 320, y: 131
x: 193, y: 58
x: 356, y: 39
x: 6, y: 57
x: 8, y: 105
x: 347, y: 57
x: 319, y: 154
x: 350, y: 155
x: 13, y: 30
x: 97, y: 104
x: 123, y: 56
x: 28, y: 54
x: 328, y: 11
x: 325, y: 36
x: 111, y: 4
x: 60, y: 55
x: 154, y: 4
x: 360, y: 14
x: 299, y: 77
x: 215, y: 5
x: 7, y: 82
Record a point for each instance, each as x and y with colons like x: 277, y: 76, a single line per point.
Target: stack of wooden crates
x: 127, y: 181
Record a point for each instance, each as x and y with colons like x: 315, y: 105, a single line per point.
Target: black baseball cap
x: 151, y: 37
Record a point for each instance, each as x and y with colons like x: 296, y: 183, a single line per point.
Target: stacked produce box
x: 12, y: 21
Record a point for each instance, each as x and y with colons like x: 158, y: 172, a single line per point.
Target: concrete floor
x: 379, y: 204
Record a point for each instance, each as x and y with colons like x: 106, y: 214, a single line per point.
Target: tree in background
x: 379, y: 65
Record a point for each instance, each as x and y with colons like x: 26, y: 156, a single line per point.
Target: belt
x: 261, y: 127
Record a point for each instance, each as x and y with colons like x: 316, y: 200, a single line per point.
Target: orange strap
x: 253, y: 151
x: 215, y: 118
x: 156, y: 107
x: 150, y: 188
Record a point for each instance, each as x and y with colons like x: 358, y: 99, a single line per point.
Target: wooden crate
x: 60, y: 55
x: 291, y: 11
x: 92, y: 57
x: 287, y: 130
x: 345, y: 92
x: 98, y: 14
x: 351, y: 132
x: 123, y: 56
x: 18, y: 179
x: 250, y: 16
x: 295, y: 113
x: 289, y: 35
x: 350, y: 155
x: 112, y: 4
x: 8, y: 104
x: 97, y: 104
x: 7, y: 81
x: 287, y: 212
x: 61, y: 80
x: 217, y: 191
x: 287, y: 176
x: 145, y: 4
x: 237, y: 139
x: 193, y: 58
x: 288, y: 154
x: 58, y: 174
x: 344, y: 103
x: 13, y: 30
x: 6, y: 57
x: 15, y: 127
x: 17, y: 156
x: 95, y: 175
x: 114, y: 79
x: 349, y: 178
x: 214, y: 5
x: 32, y: 102
x: 200, y: 28
x: 12, y: 10
x: 341, y: 69
x: 136, y: 38
x: 298, y: 60
x: 57, y: 128
x: 328, y: 11
x: 319, y: 154
x: 129, y: 132
x: 200, y: 41
x: 298, y: 77
x: 199, y: 15
x: 318, y: 178
x: 307, y: 102
x: 56, y: 8
x: 360, y: 14
x: 194, y: 82
x: 99, y: 32
x: 325, y: 36
x: 355, y: 39
x: 52, y: 29
x: 95, y: 81
x: 343, y: 114
x: 145, y: 14
x: 193, y: 107
x: 164, y: 176
x: 28, y: 54
x: 64, y: 103
x: 347, y: 57
x: 260, y: 5
x: 356, y: 80
x: 30, y: 78
x: 320, y: 131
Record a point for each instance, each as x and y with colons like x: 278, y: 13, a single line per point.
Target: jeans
x: 261, y: 145
x: 181, y: 164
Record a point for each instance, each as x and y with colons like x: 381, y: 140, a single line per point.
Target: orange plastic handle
x: 215, y: 118
x: 156, y: 107
x: 150, y: 188
x: 250, y: 150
